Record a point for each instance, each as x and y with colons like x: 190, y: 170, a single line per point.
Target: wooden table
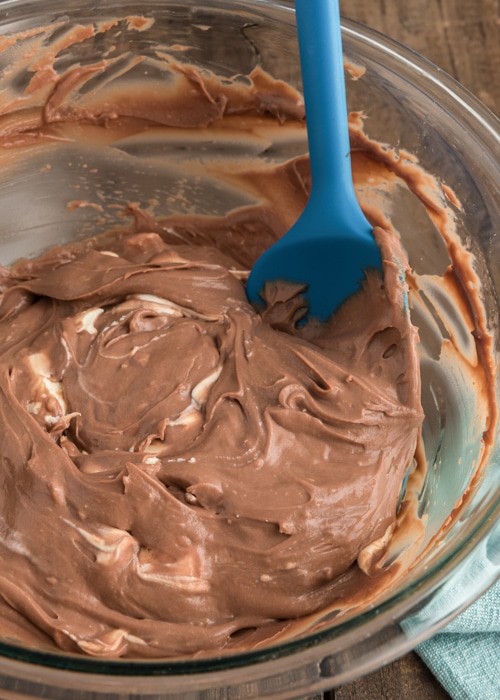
x: 463, y: 38
x: 460, y: 36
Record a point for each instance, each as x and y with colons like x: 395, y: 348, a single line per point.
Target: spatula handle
x: 322, y: 65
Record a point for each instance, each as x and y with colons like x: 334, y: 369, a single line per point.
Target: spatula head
x: 331, y: 266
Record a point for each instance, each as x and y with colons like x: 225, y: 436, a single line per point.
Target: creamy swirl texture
x: 177, y: 467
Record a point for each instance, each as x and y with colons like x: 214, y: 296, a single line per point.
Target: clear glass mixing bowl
x: 410, y: 105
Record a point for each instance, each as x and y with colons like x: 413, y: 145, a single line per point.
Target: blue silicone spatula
x: 331, y: 246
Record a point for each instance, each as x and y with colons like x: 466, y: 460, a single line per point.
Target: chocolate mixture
x: 177, y: 467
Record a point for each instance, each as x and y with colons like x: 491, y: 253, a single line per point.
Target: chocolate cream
x: 180, y: 473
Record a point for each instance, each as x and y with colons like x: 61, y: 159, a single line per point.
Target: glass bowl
x: 413, y: 107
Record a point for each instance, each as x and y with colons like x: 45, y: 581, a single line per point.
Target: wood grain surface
x: 460, y: 36
x: 463, y: 38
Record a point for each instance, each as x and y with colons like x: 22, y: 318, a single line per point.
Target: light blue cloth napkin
x: 465, y: 655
